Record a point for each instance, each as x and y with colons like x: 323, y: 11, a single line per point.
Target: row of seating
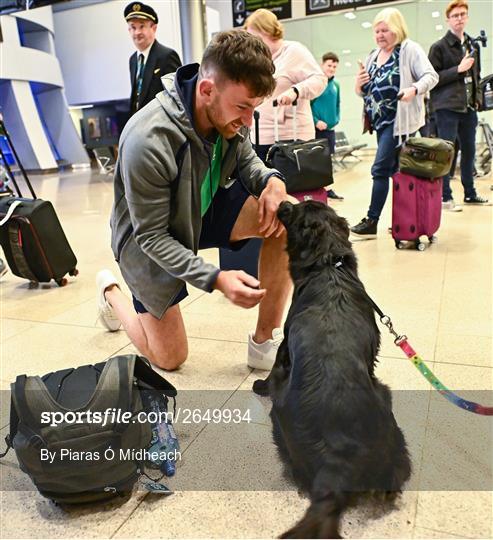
x: 105, y: 158
x: 345, y: 149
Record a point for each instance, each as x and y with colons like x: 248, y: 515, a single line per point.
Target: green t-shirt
x: 211, y: 180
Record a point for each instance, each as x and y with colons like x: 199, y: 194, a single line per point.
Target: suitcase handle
x: 256, y: 119
x: 399, y: 108
x: 5, y: 133
x: 275, y: 104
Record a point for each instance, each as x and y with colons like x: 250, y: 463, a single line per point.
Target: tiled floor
x: 229, y: 482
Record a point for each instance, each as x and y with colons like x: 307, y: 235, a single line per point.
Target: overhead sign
x: 314, y: 7
x: 243, y: 8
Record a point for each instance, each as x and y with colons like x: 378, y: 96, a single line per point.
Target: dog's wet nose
x: 284, y: 211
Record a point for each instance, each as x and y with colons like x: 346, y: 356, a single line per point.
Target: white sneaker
x: 106, y: 314
x: 451, y: 206
x: 263, y: 355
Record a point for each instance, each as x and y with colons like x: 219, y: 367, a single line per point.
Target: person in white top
x: 298, y: 75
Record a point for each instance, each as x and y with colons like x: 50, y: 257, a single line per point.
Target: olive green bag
x: 426, y: 157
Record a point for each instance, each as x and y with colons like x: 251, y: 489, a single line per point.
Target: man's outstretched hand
x: 240, y: 288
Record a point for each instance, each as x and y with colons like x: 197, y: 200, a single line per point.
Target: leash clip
x: 385, y: 320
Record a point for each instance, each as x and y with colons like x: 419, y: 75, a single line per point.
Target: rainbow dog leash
x: 401, y: 341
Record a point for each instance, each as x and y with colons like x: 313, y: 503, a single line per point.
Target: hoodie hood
x: 177, y: 99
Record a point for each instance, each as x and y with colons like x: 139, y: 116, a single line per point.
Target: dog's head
x: 317, y: 236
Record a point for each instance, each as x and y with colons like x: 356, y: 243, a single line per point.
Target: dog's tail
x: 321, y: 519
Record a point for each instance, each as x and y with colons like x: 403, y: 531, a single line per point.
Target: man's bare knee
x: 277, y: 242
x: 166, y: 344
x: 168, y: 360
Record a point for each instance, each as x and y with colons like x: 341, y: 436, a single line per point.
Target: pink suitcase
x: 416, y: 209
x: 312, y: 195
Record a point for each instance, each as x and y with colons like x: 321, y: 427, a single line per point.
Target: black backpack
x: 68, y: 432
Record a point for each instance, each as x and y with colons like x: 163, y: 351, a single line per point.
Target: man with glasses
x: 457, y: 97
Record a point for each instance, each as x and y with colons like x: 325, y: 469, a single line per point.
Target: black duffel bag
x: 305, y: 165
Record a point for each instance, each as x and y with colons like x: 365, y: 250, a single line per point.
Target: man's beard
x: 214, y: 115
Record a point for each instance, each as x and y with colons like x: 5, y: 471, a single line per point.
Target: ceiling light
x: 348, y: 64
x: 435, y: 14
x: 366, y: 24
x: 350, y: 15
x: 346, y: 51
x: 439, y: 27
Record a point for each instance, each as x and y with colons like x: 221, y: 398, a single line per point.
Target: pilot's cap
x: 137, y: 10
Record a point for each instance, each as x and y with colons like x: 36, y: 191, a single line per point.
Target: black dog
x: 332, y: 419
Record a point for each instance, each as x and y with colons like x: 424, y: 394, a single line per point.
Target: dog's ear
x: 314, y: 232
x: 343, y: 226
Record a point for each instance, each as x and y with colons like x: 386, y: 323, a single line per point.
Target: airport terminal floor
x: 232, y: 481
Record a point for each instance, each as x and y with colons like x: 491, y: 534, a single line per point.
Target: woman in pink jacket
x: 297, y: 75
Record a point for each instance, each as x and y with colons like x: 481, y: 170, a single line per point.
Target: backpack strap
x: 116, y: 377
x: 144, y: 372
x: 13, y: 424
x: 20, y: 401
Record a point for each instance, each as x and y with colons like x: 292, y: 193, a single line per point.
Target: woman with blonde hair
x: 397, y: 67
x: 297, y: 75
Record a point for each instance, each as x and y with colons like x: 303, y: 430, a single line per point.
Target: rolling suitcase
x: 319, y: 194
x: 416, y: 209
x: 417, y: 200
x: 31, y: 235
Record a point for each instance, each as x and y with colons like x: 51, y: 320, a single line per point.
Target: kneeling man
x: 187, y: 178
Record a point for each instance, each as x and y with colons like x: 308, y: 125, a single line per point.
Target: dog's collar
x: 337, y: 262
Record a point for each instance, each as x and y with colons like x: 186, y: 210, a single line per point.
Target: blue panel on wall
x: 37, y: 88
x: 21, y: 32
x: 6, y: 150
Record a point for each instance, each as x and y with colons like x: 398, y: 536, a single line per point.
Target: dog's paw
x: 261, y: 387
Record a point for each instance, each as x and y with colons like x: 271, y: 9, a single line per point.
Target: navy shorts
x: 217, y: 224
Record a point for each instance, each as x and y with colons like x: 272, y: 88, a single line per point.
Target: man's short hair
x: 240, y: 57
x: 330, y: 56
x: 456, y: 4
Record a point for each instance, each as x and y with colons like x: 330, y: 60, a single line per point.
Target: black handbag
x: 305, y: 165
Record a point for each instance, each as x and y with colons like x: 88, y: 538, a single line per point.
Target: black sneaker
x: 331, y: 194
x: 475, y: 200
x: 366, y: 228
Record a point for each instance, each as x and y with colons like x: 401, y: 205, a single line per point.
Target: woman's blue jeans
x: 384, y: 166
